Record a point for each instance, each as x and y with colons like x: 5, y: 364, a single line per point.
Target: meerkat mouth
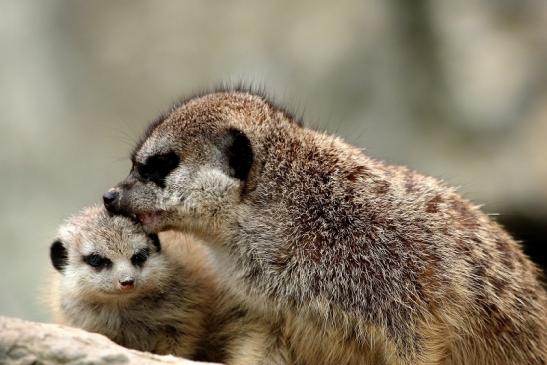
x: 150, y: 218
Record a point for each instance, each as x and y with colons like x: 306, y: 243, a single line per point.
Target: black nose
x: 110, y: 199
x: 127, y: 283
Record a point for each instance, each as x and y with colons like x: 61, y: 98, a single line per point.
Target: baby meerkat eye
x: 97, y: 261
x: 157, y: 167
x: 140, y: 257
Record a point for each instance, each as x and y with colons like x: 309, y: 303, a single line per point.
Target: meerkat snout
x: 110, y: 199
x: 112, y: 203
x: 126, y: 279
x: 126, y: 283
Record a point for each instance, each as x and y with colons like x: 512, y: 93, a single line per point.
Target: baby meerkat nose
x: 126, y: 284
x: 110, y: 199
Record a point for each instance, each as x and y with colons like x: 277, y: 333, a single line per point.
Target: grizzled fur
x: 175, y: 306
x: 359, y: 261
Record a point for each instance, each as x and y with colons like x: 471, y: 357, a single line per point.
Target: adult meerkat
x: 116, y: 280
x: 363, y: 262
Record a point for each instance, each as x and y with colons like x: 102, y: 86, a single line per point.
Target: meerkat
x: 360, y: 262
x: 161, y: 297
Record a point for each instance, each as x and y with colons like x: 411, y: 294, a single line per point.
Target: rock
x: 24, y: 342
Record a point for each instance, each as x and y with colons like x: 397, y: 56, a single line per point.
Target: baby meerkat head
x: 104, y: 258
x: 193, y: 165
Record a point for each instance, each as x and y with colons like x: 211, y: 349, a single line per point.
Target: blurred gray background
x: 455, y: 89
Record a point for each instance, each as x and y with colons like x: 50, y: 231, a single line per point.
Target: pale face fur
x: 110, y: 243
x: 197, y: 194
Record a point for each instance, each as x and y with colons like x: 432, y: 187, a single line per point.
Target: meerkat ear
x: 58, y: 255
x: 240, y: 154
x: 155, y: 241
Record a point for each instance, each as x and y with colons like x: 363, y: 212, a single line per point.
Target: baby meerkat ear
x: 58, y: 255
x: 155, y: 241
x: 240, y: 154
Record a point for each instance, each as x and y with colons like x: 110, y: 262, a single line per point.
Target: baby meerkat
x: 361, y: 262
x: 117, y: 280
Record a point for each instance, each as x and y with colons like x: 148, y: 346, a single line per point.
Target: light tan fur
x: 176, y: 306
x: 357, y: 261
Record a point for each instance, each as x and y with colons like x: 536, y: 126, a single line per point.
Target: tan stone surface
x: 24, y: 342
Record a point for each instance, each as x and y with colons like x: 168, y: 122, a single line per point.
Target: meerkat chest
x: 129, y: 327
x: 125, y: 327
x: 313, y: 343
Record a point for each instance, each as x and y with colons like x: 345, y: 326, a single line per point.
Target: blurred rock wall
x: 455, y: 89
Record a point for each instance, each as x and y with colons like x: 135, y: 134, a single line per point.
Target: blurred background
x: 454, y: 89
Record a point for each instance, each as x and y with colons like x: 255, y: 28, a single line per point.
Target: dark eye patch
x: 97, y: 261
x: 58, y: 255
x: 240, y: 154
x: 139, y: 258
x: 155, y: 241
x: 157, y: 167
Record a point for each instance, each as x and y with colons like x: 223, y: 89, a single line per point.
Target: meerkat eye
x: 157, y: 167
x: 140, y: 257
x: 97, y: 261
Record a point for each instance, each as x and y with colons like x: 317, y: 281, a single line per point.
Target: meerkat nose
x: 110, y: 199
x: 126, y: 284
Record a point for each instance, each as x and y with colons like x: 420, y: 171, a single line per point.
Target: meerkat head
x: 103, y: 258
x: 193, y: 165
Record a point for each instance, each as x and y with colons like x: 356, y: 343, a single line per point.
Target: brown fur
x: 358, y: 261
